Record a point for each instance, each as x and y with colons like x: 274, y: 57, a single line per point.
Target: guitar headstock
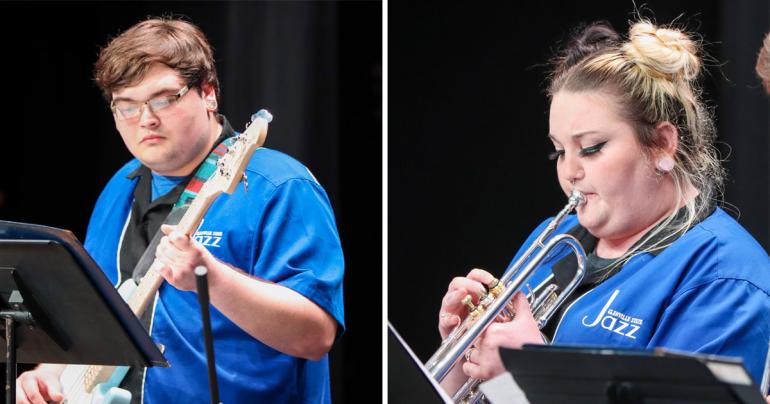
x: 230, y: 167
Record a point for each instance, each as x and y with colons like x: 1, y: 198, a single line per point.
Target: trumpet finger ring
x: 468, y: 354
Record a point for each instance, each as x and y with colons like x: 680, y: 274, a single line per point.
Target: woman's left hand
x: 483, y: 361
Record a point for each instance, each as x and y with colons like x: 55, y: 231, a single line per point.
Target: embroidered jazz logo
x: 208, y: 238
x: 615, y: 321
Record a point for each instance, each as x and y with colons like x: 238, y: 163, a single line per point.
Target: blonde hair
x: 763, y: 63
x: 652, y: 76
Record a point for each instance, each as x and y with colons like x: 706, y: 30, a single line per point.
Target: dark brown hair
x: 173, y: 42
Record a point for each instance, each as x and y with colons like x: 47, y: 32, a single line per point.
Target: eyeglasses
x: 127, y: 110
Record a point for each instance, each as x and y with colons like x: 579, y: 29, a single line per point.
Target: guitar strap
x: 204, y: 172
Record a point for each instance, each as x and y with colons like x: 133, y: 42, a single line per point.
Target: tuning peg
x: 264, y: 114
x: 245, y: 182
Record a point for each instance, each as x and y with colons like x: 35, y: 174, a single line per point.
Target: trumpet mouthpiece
x: 577, y: 198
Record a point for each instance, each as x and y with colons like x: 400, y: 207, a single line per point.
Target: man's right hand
x: 40, y: 385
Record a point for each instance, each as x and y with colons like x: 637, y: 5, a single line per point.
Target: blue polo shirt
x: 281, y: 230
x: 708, y: 292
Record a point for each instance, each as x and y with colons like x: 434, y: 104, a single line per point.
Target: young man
x: 272, y: 251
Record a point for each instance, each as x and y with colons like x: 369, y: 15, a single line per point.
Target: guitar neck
x: 150, y: 283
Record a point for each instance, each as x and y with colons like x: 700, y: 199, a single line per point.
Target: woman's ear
x: 669, y: 136
x: 669, y: 141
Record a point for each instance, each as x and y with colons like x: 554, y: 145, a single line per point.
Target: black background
x: 317, y: 66
x: 468, y: 177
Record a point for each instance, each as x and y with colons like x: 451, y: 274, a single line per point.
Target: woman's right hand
x: 40, y: 385
x: 453, y: 311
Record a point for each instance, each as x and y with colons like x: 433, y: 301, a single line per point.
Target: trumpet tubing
x: 494, y: 304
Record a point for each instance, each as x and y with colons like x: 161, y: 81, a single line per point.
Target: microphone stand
x: 202, y: 285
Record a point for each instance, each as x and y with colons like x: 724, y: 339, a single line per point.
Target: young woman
x: 666, y: 266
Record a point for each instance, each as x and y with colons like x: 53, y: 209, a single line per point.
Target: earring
x: 665, y: 164
x: 211, y: 104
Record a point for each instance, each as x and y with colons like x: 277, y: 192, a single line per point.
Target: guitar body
x: 109, y: 393
x: 104, y: 393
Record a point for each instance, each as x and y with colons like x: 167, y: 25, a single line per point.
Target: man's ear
x: 209, y: 94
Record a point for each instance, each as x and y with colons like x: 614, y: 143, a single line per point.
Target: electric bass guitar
x: 97, y: 384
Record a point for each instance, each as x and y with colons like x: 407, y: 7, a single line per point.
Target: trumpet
x: 544, y: 301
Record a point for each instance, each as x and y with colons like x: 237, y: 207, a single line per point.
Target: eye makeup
x: 584, y: 152
x: 592, y: 149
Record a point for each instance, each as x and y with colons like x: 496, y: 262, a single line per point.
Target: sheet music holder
x: 408, y: 380
x: 552, y: 374
x: 77, y: 315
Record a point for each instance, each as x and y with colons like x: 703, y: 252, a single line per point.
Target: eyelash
x: 555, y: 154
x: 585, y: 152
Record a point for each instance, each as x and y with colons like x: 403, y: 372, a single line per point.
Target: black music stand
x: 408, y: 380
x: 553, y: 374
x: 58, y: 306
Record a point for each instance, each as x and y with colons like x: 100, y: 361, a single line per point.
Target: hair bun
x: 667, y: 52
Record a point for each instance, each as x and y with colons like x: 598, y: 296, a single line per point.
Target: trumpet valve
x: 468, y: 302
x: 474, y: 311
x: 508, y: 313
x: 495, y: 288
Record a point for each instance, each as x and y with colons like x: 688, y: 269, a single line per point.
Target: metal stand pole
x: 10, y: 360
x: 203, y: 299
x: 11, y: 317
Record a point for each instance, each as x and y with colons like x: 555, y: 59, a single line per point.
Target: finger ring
x: 468, y: 354
x: 445, y: 315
